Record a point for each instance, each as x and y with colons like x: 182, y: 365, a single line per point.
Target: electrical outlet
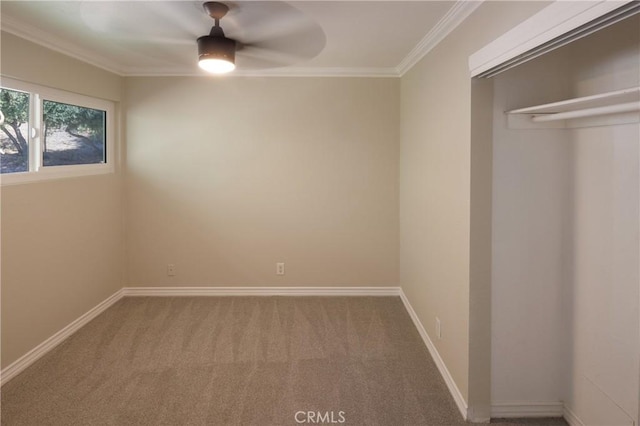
x: 438, y: 328
x: 280, y: 268
x: 171, y: 270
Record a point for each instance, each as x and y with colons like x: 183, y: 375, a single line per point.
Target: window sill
x: 56, y: 172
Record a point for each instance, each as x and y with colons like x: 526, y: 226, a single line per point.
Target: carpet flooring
x: 238, y: 361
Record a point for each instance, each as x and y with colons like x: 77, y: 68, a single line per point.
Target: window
x: 14, y: 119
x: 47, y: 133
x: 72, y: 134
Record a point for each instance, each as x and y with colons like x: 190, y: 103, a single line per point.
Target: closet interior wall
x: 565, y: 224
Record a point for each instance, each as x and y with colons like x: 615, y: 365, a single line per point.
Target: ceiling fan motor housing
x: 216, y: 47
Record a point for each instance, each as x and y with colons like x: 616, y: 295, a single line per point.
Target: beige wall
x: 62, y: 240
x: 226, y: 177
x: 435, y: 203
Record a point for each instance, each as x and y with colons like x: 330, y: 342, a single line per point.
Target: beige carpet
x: 237, y: 361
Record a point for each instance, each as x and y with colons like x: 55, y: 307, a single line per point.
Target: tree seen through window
x: 71, y: 134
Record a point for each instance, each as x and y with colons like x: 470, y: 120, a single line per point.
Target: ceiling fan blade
x: 258, y: 24
x: 305, y: 44
x: 118, y: 21
x: 255, y: 13
x: 278, y: 33
x: 253, y: 57
x: 143, y: 39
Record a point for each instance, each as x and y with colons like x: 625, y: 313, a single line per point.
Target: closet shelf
x: 610, y: 103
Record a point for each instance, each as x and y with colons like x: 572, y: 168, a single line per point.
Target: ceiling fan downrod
x: 216, y: 52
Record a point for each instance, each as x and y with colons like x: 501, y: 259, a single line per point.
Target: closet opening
x: 555, y: 169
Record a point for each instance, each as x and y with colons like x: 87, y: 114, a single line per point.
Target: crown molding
x: 44, y: 39
x: 454, y: 17
x: 449, y: 22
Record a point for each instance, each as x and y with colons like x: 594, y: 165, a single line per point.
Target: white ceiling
x: 283, y: 38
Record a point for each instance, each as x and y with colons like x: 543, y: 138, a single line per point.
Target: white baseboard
x: 526, y: 409
x: 451, y: 384
x: 36, y: 353
x: 571, y: 417
x: 261, y: 291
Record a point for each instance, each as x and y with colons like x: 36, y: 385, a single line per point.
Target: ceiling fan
x: 217, y: 52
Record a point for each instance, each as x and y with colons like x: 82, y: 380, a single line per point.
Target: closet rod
x: 588, y: 112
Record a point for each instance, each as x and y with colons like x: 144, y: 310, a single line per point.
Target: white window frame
x: 39, y: 172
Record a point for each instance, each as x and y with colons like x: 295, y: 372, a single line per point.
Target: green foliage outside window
x: 15, y: 110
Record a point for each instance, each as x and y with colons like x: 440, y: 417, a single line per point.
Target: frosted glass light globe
x: 216, y: 66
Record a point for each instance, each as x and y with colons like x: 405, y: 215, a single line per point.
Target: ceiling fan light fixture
x: 216, y: 54
x: 216, y: 66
